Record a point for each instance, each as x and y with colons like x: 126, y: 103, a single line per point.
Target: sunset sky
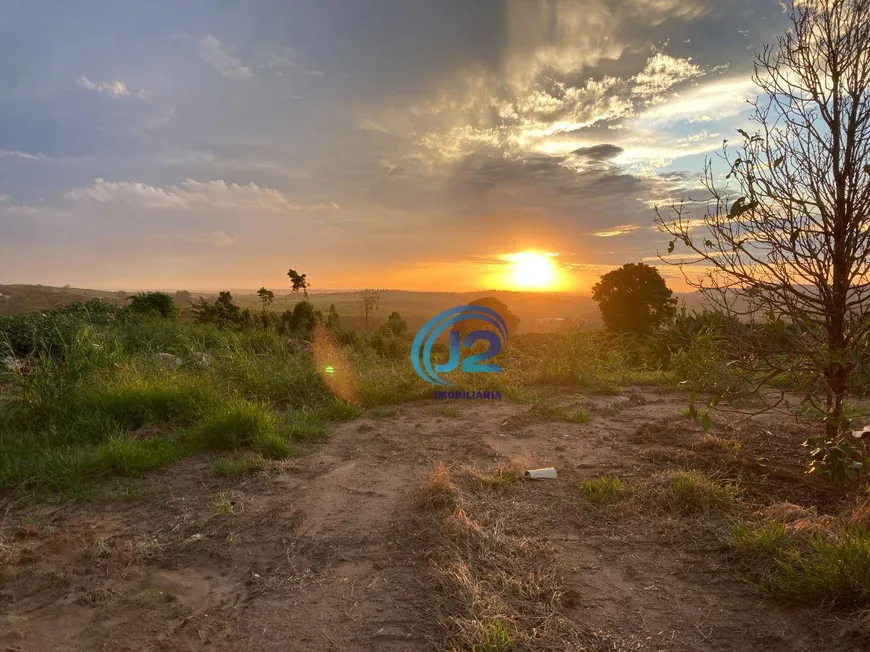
x: 402, y: 144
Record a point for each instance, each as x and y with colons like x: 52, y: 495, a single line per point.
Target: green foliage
x: 634, y: 299
x: 153, y: 304
x: 605, y: 489
x: 222, y: 312
x: 840, y: 458
x: 47, y: 333
x: 300, y: 320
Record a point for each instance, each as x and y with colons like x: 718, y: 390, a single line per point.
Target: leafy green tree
x: 510, y: 319
x: 153, y: 304
x: 222, y: 312
x: 395, y: 324
x: 634, y: 299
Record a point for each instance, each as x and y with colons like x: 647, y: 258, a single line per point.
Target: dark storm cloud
x: 599, y: 152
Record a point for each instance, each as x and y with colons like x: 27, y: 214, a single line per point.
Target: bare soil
x: 332, y: 551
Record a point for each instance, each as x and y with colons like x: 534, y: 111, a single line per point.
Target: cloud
x: 661, y: 73
x: 722, y: 98
x: 5, y: 153
x: 599, y: 152
x: 618, y: 230
x: 115, y: 88
x: 215, y: 238
x: 190, y: 195
x: 221, y: 57
x: 7, y: 207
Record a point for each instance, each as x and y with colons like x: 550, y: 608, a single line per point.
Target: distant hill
x: 18, y: 299
x: 538, y: 311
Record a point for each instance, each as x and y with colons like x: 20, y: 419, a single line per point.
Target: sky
x: 402, y: 144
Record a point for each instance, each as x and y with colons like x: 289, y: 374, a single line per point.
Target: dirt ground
x: 331, y: 551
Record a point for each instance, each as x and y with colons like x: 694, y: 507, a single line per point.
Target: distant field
x: 538, y: 312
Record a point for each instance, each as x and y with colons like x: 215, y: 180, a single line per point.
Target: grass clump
x: 690, y: 492
x: 762, y: 540
x: 605, y: 489
x: 821, y: 567
x: 230, y: 467
x: 132, y: 457
x: 151, y: 400
x: 833, y: 569
x: 503, y: 478
x: 241, y: 423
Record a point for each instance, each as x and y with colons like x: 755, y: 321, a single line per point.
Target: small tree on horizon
x: 634, y: 299
x: 370, y: 304
x: 395, y: 324
x: 266, y: 297
x: 298, y: 282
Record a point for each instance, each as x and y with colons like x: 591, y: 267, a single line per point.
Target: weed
x: 605, y: 489
x: 224, y: 505
x: 494, y: 637
x: 504, y: 477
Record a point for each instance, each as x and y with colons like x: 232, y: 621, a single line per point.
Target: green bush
x: 153, y: 305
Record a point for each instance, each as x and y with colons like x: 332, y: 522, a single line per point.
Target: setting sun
x: 532, y: 270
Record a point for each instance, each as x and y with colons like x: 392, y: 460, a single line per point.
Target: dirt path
x: 328, y: 551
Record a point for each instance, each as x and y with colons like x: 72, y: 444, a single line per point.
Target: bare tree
x: 790, y: 241
x: 370, y: 303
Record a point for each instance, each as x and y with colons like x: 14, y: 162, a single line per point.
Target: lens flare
x: 334, y: 367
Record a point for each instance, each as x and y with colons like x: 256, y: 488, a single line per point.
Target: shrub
x: 153, y: 304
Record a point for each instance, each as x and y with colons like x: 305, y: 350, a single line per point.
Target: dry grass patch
x: 716, y: 444
x: 439, y: 490
x: 495, y: 584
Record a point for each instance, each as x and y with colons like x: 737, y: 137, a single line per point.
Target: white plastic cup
x: 542, y: 474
